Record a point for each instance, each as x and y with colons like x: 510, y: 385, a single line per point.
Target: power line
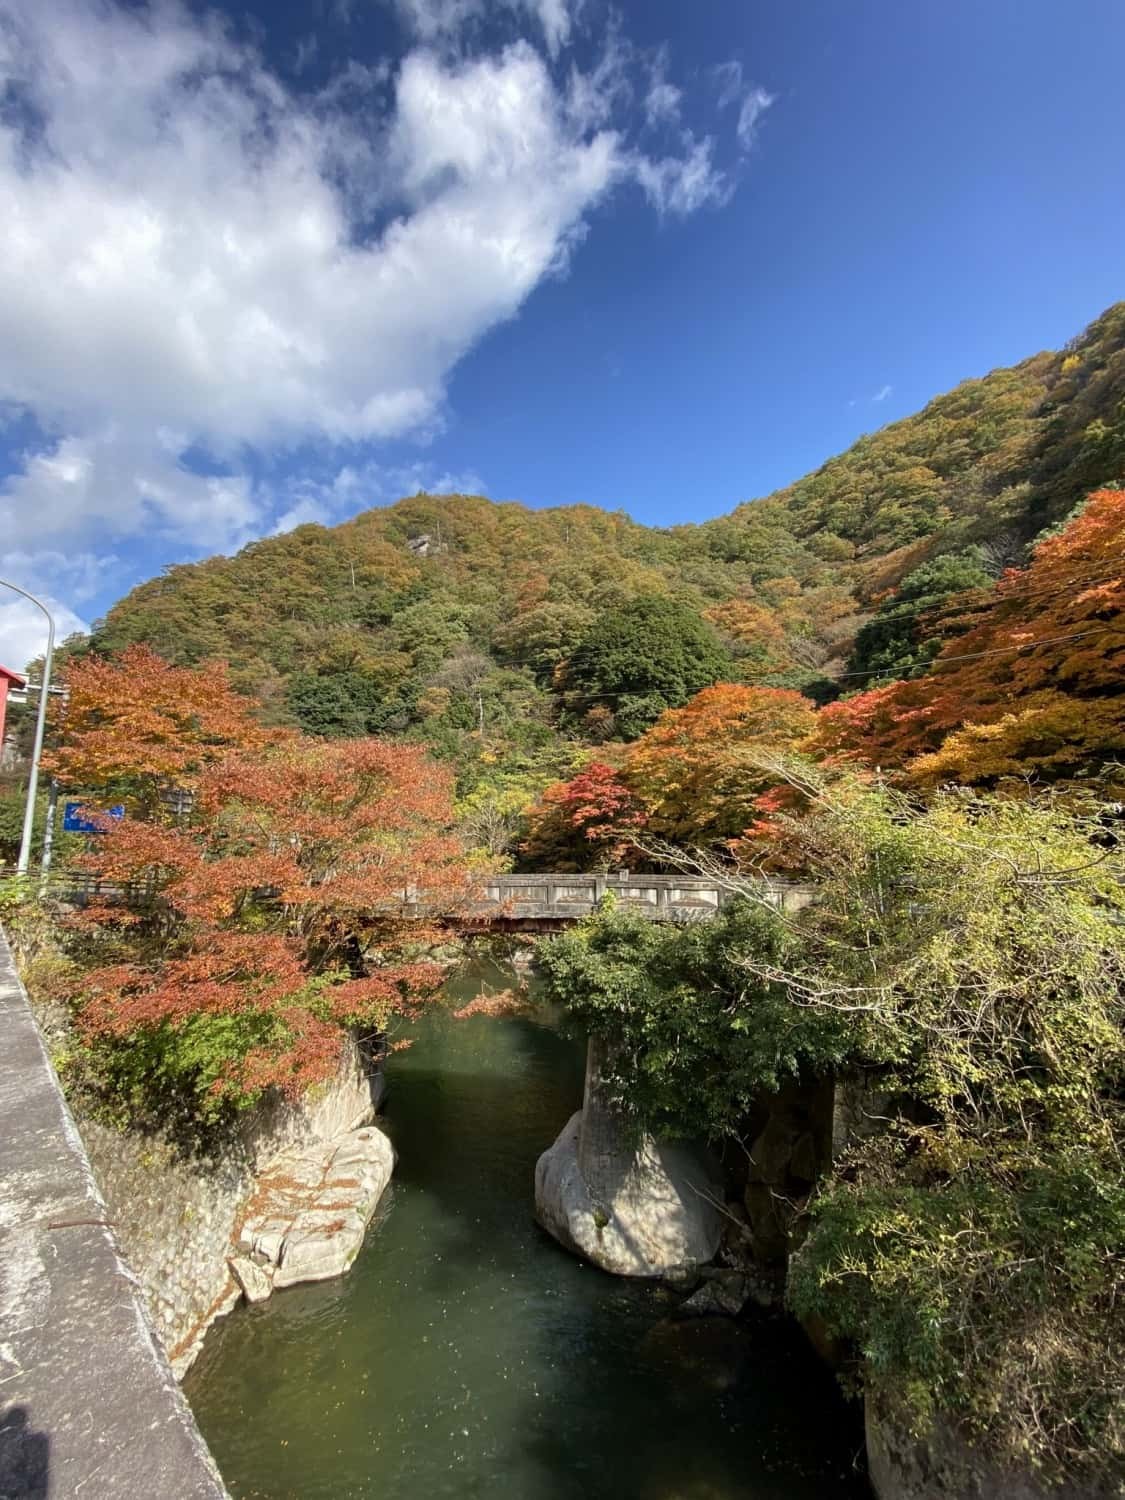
x: 941, y: 661
x: 1062, y: 588
x: 937, y: 661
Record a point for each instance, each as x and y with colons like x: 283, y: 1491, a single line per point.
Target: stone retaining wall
x: 175, y: 1218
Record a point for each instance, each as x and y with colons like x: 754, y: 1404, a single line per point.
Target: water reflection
x: 466, y: 1355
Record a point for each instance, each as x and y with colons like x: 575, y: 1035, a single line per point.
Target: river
x: 466, y: 1355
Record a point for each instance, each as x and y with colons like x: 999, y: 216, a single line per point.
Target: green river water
x: 466, y: 1355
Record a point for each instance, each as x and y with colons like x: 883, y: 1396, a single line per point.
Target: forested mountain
x: 506, y: 636
x: 898, y: 680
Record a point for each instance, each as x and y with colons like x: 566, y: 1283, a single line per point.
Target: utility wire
x: 938, y: 661
x: 937, y: 610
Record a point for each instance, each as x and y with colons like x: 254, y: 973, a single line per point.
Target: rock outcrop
x: 311, y: 1208
x: 722, y: 1295
x: 946, y: 1467
x: 177, y: 1215
x: 635, y: 1208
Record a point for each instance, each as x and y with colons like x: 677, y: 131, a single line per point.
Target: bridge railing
x: 504, y: 898
x: 662, y: 897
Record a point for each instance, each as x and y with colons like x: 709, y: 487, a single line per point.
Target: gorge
x: 465, y: 1353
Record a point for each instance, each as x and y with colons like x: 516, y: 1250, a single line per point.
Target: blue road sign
x: 77, y: 819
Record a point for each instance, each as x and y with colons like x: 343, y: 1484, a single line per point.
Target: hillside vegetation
x: 506, y: 638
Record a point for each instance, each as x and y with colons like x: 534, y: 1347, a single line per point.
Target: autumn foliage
x: 582, y: 821
x: 698, y: 775
x: 294, y: 900
x: 701, y: 769
x: 135, y: 726
x: 1031, y: 687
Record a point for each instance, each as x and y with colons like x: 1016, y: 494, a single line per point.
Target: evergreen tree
x: 648, y: 655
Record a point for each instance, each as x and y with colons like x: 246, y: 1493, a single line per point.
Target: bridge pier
x: 632, y: 1204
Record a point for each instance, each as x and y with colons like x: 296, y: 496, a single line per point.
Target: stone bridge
x: 523, y: 903
x: 548, y: 902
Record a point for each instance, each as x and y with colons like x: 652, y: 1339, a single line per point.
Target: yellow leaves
x: 1051, y: 730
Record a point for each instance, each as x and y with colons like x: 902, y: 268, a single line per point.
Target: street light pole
x: 40, y: 730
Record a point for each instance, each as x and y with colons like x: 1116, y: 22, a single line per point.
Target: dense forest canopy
x: 407, y: 588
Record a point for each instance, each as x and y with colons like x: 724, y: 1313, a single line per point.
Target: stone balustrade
x: 529, y: 900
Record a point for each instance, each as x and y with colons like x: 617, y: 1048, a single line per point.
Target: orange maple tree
x: 135, y: 726
x: 698, y: 773
x: 295, y: 900
x: 1031, y: 688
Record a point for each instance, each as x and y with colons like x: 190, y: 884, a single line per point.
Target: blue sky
x: 280, y: 261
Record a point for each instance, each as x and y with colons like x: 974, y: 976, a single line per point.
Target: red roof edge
x: 13, y: 677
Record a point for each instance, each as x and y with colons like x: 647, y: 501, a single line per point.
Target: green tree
x: 904, y: 636
x: 687, y: 1057
x: 968, y: 961
x: 334, y: 705
x: 651, y: 654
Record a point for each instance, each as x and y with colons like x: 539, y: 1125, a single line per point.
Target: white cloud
x: 444, y: 20
x: 305, y: 55
x: 662, y: 102
x: 358, y: 486
x: 177, y: 252
x: 752, y: 100
x: 753, y: 107
x: 23, y: 628
x: 681, y: 185
x: 728, y: 82
x: 199, y: 261
x: 302, y: 513
x: 85, y: 573
x: 111, y: 484
x: 663, y: 99
x: 180, y: 256
x: 883, y: 392
x: 434, y: 19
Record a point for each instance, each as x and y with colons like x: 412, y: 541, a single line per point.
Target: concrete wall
x: 88, y: 1402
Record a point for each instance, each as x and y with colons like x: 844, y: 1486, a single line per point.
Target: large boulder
x: 634, y: 1207
x: 310, y: 1211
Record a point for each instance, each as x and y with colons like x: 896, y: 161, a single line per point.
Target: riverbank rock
x: 635, y: 1208
x: 722, y: 1295
x: 307, y: 1217
x: 945, y: 1466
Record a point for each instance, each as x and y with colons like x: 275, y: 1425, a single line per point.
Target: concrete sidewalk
x: 88, y: 1404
